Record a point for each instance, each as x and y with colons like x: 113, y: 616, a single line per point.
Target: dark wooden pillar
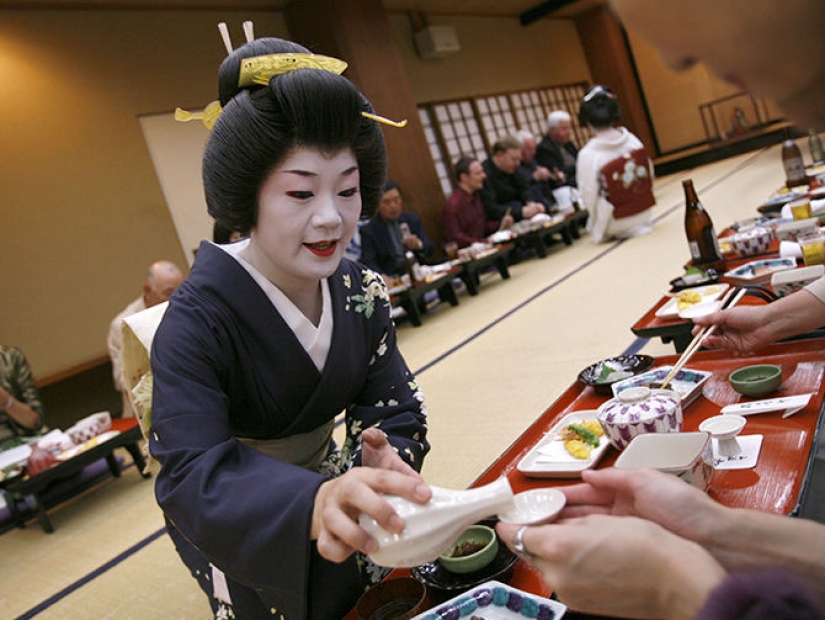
x: 611, y: 64
x: 359, y: 32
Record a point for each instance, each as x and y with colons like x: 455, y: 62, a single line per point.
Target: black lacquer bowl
x: 633, y: 364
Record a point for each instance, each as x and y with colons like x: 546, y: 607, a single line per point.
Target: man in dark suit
x: 391, y: 233
x: 557, y: 151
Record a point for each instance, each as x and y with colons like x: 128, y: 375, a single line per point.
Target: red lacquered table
x: 774, y: 485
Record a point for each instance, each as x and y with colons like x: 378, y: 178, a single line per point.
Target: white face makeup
x: 308, y: 209
x: 772, y: 48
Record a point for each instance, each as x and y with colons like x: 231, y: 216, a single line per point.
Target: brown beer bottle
x: 704, y: 246
x: 792, y: 162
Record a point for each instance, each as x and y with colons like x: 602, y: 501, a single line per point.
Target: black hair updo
x: 260, y: 126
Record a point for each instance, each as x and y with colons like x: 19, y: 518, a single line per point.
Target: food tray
x: 496, y: 601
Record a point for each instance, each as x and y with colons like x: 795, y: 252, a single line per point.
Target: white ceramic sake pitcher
x: 432, y: 527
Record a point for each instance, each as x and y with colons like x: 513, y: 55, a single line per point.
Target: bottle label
x: 695, y: 252
x: 794, y: 169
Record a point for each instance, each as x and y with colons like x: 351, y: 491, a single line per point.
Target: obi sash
x: 626, y: 184
x: 307, y: 450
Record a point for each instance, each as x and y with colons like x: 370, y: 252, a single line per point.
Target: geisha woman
x: 269, y: 339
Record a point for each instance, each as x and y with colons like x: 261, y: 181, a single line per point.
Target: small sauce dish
x: 473, y: 550
x: 756, y: 380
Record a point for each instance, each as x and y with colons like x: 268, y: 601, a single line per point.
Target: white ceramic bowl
x: 753, y: 241
x: 686, y: 455
x: 534, y: 507
x: 786, y: 282
x: 640, y: 410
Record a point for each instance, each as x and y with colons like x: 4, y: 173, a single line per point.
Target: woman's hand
x: 376, y: 451
x: 621, y: 566
x: 340, y: 501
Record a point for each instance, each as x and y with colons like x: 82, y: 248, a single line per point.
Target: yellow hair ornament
x: 260, y: 69
x: 208, y: 117
x: 384, y: 121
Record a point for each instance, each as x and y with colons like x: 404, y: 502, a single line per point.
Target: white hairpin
x: 249, y: 31
x: 227, y: 42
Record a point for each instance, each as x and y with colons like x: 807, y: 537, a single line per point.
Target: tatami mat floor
x: 488, y: 368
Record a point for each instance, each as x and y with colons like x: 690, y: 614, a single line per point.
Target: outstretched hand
x: 742, y: 329
x: 622, y: 566
x: 646, y: 493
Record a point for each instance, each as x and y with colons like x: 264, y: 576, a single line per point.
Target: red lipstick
x: 324, y: 249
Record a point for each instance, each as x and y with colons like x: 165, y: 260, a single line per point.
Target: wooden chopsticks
x: 696, y: 343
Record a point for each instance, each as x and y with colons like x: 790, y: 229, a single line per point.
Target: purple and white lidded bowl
x: 640, y: 410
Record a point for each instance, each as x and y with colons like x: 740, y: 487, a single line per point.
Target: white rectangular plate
x: 769, y: 405
x: 709, y: 292
x: 494, y: 600
x: 687, y: 382
x: 549, y: 458
x: 759, y: 271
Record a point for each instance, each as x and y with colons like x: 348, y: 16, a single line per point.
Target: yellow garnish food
x: 687, y: 299
x: 581, y: 437
x: 578, y: 448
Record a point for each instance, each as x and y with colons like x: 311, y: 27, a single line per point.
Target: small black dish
x: 679, y: 284
x: 443, y: 585
x: 633, y: 364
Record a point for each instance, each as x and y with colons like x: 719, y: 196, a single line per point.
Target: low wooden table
x: 498, y: 257
x: 410, y: 297
x: 30, y: 488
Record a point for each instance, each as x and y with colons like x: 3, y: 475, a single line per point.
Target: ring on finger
x: 518, y: 541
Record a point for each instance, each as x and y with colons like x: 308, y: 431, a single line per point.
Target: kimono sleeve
x: 391, y: 399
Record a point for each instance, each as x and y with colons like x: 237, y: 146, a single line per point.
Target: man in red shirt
x: 465, y: 220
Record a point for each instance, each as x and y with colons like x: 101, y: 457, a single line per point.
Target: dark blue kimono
x: 226, y: 365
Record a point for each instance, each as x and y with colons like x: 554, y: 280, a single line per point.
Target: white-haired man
x: 540, y: 179
x: 557, y: 151
x: 162, y: 278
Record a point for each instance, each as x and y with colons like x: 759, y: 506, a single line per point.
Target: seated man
x: 557, y: 151
x: 161, y: 281
x: 391, y: 233
x: 21, y: 412
x: 505, y: 192
x: 539, y: 179
x: 465, y: 221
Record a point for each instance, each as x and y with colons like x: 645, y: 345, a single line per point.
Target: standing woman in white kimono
x: 613, y: 171
x: 269, y: 339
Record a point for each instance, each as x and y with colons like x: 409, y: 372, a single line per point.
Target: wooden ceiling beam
x: 542, y: 10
